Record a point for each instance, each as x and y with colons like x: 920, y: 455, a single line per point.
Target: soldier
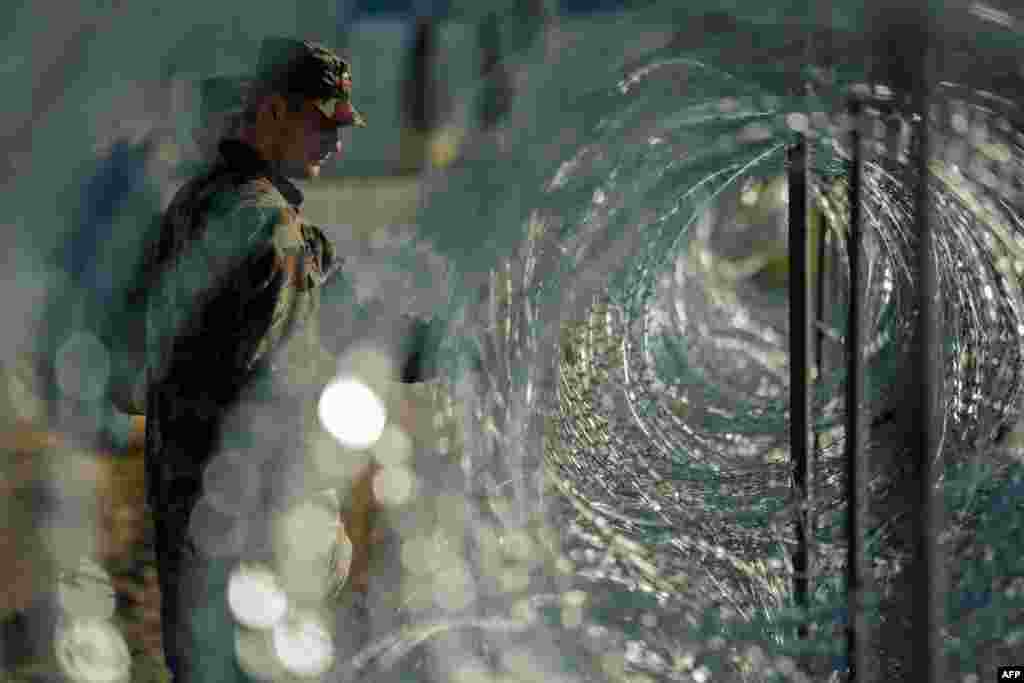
x: 233, y: 304
x: 222, y: 103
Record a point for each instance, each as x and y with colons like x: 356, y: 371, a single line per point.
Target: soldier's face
x: 310, y: 139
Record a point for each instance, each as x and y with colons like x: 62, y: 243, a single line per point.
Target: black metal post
x: 497, y: 89
x: 821, y: 294
x: 927, y: 568
x: 857, y: 576
x: 800, y: 404
x: 421, y: 97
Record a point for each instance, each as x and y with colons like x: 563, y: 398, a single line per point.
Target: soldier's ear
x: 278, y: 106
x: 267, y: 110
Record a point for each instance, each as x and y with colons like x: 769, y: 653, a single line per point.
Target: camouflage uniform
x: 221, y: 105
x: 234, y: 364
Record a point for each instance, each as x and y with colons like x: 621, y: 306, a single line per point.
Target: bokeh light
x: 70, y: 529
x: 303, y: 643
x: 254, y: 650
x: 352, y: 413
x: 472, y: 671
x: 444, y: 147
x: 230, y: 483
x: 455, y: 586
x: 308, y: 552
x: 419, y: 555
x: 92, y: 651
x: 393, y: 485
x: 572, y: 616
x: 86, y: 592
x: 216, y: 532
x: 394, y: 446
x: 82, y: 366
x: 255, y: 596
x: 514, y: 579
x: 330, y: 460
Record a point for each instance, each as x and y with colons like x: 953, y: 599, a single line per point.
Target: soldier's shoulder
x: 189, y: 193
x: 256, y: 201
x: 218, y: 191
x: 252, y: 208
x: 228, y: 194
x: 269, y: 217
x: 259, y: 192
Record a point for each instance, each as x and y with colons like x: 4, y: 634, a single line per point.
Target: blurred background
x: 600, y: 484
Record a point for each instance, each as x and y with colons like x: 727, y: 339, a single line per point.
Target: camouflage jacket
x: 232, y: 321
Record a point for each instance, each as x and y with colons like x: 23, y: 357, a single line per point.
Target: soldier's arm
x: 358, y: 515
x: 273, y: 276
x: 278, y: 276
x: 246, y: 274
x: 127, y: 387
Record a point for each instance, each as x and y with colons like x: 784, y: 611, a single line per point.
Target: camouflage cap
x: 301, y: 67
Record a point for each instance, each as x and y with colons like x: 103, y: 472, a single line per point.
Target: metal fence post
x: 856, y: 463
x: 927, y: 567
x: 497, y: 81
x: 799, y: 366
